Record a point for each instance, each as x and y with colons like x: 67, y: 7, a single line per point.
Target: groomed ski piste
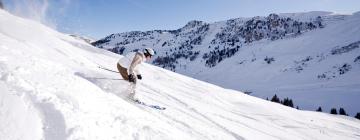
x: 52, y: 89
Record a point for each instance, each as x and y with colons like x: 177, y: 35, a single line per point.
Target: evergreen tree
x: 319, y: 109
x: 342, y: 112
x: 287, y: 102
x: 269, y: 59
x: 284, y: 102
x: 333, y: 111
x: 291, y: 103
x: 275, y: 99
x: 357, y: 116
x: 319, y: 21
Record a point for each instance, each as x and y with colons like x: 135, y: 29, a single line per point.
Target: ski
x: 151, y: 106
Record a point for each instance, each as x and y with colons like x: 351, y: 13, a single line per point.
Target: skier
x: 128, y: 68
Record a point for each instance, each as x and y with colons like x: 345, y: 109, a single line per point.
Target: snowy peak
x: 306, y: 16
x: 193, y: 24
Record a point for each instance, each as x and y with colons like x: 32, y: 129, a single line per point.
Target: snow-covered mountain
x: 313, y: 57
x: 51, y: 88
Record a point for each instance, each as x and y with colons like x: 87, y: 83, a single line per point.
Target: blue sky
x: 99, y: 18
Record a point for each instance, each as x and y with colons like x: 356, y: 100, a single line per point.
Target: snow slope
x: 317, y: 66
x: 51, y: 88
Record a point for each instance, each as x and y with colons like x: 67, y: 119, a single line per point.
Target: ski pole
x: 107, y: 69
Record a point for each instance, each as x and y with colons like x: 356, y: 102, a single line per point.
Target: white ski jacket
x: 131, y: 61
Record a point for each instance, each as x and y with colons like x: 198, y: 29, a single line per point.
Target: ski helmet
x: 149, y: 52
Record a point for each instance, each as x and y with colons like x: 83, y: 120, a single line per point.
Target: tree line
x: 289, y: 102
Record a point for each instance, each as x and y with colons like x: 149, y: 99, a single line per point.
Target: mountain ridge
x: 208, y: 50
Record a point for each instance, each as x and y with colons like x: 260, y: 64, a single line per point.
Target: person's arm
x: 134, y: 63
x: 137, y: 71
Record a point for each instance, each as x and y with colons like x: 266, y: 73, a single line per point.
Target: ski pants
x: 124, y: 74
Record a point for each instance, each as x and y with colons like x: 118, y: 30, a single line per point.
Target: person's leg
x: 132, y: 91
x: 123, y: 72
x: 132, y: 87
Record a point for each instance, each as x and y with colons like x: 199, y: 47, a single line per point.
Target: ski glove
x: 131, y: 78
x: 139, y: 76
